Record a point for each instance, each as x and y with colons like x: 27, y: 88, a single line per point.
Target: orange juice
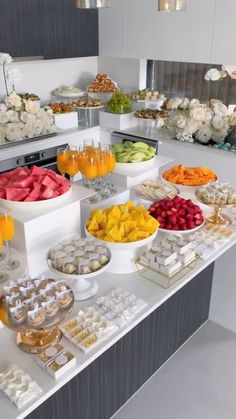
x: 61, y: 160
x: 90, y: 169
x: 7, y: 227
x: 110, y: 161
x: 0, y: 239
x: 101, y: 165
x: 72, y: 164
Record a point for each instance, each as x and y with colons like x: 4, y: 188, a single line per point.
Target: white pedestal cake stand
x: 83, y: 286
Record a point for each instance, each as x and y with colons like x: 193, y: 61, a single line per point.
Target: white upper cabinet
x: 145, y: 32
x: 224, y: 33
x: 189, y: 33
x: 204, y: 33
x: 112, y: 29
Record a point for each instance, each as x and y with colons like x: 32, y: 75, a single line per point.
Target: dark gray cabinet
x: 48, y: 28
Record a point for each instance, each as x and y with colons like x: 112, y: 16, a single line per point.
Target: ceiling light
x: 92, y: 4
x: 171, y: 5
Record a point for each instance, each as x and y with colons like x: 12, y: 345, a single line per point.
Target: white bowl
x: 124, y: 255
x: 165, y: 231
x: 102, y: 95
x: 134, y: 167
x: 46, y: 204
x: 69, y: 95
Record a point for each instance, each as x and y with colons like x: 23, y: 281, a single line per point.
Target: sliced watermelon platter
x: 32, y: 184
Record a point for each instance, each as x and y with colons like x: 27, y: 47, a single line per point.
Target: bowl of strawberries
x: 177, y: 214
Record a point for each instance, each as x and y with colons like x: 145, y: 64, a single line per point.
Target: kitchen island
x: 106, y: 377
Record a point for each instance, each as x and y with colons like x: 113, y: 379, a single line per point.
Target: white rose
x: 3, y: 107
x: 194, y: 102
x: 32, y: 106
x: 191, y: 127
x: 218, y: 136
x: 13, y: 75
x: 220, y: 109
x: 218, y: 122
x: 232, y: 119
x: 198, y: 113
x: 2, y: 133
x: 204, y: 135
x: 3, y: 118
x: 13, y: 100
x: 14, y: 131
x: 27, y: 117
x: 185, y: 103
x: 231, y: 70
x: 5, y: 58
x: 181, y: 121
x: 13, y: 116
x: 174, y: 103
x: 213, y: 74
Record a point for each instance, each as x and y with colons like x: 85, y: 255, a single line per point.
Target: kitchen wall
x: 41, y: 77
x: 204, y: 33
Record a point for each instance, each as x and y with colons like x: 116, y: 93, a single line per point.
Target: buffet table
x: 105, y: 378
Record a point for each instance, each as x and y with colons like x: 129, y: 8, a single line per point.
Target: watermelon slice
x: 22, y: 181
x: 47, y: 181
x: 2, y: 193
x: 3, y: 181
x: 46, y: 192
x: 34, y: 195
x: 37, y: 171
x: 32, y: 184
x: 17, y: 194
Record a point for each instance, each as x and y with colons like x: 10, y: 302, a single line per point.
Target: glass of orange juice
x: 72, y: 162
x: 110, y: 163
x: 90, y: 169
x: 61, y: 160
x: 7, y: 227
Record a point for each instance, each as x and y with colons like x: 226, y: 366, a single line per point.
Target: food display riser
x: 133, y: 179
x: 117, y: 121
x: 37, y: 231
x: 120, y: 197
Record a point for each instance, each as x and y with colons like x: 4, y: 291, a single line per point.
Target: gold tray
x: 35, y: 340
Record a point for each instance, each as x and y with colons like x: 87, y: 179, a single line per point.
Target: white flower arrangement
x: 192, y: 120
x: 226, y: 70
x: 23, y: 118
x: 12, y: 75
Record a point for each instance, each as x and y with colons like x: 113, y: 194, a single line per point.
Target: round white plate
x: 89, y: 107
x: 36, y: 205
x: 165, y: 231
x: 69, y: 95
x: 134, y: 167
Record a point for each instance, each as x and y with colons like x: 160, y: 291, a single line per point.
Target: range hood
x: 92, y: 4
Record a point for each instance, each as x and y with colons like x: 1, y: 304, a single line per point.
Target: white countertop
x: 153, y: 294
x: 61, y: 137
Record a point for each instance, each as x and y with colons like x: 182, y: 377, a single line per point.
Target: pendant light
x: 92, y: 4
x: 171, y: 5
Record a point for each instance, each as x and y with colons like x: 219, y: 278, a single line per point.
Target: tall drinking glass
x: 61, y: 160
x: 7, y: 227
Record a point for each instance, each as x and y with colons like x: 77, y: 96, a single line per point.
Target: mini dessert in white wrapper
x: 79, y: 260
x: 18, y: 386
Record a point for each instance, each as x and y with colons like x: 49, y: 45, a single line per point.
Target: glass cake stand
x: 34, y: 340
x: 217, y: 217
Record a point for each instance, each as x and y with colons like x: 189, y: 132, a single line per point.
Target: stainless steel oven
x: 45, y: 158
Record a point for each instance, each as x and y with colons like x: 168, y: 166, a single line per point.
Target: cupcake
x: 18, y: 314
x: 64, y: 299
x: 51, y: 308
x: 36, y: 317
